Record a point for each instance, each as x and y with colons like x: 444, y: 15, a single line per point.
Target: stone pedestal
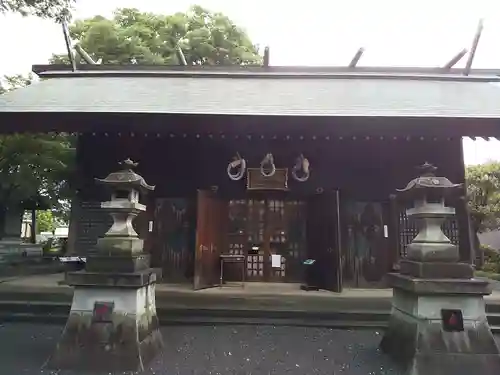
x: 112, y: 324
x: 417, y: 339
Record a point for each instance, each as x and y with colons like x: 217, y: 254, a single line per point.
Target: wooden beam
x: 356, y: 57
x: 473, y: 49
x: 454, y: 61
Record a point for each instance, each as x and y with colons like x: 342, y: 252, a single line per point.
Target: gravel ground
x: 221, y: 350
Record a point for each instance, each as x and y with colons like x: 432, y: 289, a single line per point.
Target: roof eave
x: 309, y: 71
x: 86, y: 70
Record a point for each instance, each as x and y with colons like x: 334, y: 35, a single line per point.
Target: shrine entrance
x: 269, y: 230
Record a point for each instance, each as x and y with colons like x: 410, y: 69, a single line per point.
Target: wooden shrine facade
x: 342, y: 215
x: 362, y: 132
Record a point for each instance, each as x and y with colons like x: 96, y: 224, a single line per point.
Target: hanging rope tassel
x: 269, y: 161
x: 240, y: 163
x: 302, y: 166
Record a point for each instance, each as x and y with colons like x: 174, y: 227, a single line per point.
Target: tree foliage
x: 34, y: 168
x: 483, y: 193
x: 41, y: 8
x: 13, y: 82
x: 483, y: 189
x: 134, y: 37
x: 45, y: 221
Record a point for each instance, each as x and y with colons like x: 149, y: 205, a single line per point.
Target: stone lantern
x: 438, y: 322
x: 121, y: 250
x: 431, y: 254
x: 113, y: 324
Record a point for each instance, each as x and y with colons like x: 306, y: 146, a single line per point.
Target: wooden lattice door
x: 256, y: 249
x: 261, y: 227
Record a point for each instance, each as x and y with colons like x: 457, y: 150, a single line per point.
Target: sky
x: 312, y: 32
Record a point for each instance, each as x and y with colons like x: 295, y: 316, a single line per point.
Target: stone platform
x: 262, y: 303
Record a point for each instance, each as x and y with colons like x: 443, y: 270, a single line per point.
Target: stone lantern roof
x: 126, y: 179
x: 429, y: 184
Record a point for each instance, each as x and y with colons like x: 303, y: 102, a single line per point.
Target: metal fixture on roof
x: 473, y: 49
x: 84, y: 55
x: 180, y: 55
x: 454, y: 61
x: 266, y: 56
x: 356, y: 57
x: 67, y: 39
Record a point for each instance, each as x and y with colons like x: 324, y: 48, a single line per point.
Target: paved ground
x: 495, y: 285
x: 52, y: 283
x: 222, y: 350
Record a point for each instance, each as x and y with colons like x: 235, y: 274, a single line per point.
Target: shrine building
x: 316, y: 153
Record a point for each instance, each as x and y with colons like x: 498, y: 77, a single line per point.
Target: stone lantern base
x: 418, y: 339
x: 112, y: 325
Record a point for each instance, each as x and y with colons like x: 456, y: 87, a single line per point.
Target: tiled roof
x: 259, y: 93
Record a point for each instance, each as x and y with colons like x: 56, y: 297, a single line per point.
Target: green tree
x: 45, y: 221
x: 40, y: 8
x: 34, y: 168
x: 134, y: 37
x: 483, y: 190
x: 13, y: 82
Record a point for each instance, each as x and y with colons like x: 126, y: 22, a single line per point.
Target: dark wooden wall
x: 364, y: 168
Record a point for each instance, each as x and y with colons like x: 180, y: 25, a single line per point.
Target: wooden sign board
x: 256, y: 181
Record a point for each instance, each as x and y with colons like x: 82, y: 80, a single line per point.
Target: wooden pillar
x: 75, y: 209
x: 465, y: 235
x: 393, y: 229
x: 33, y: 227
x: 74, y: 222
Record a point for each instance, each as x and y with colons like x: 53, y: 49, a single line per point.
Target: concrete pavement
x: 227, y: 350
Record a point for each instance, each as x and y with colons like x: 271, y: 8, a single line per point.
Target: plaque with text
x: 256, y: 181
x: 103, y: 312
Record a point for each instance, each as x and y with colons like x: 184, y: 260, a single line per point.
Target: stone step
x: 170, y: 314
x: 57, y: 312
x: 60, y: 319
x: 493, y: 307
x: 493, y: 319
